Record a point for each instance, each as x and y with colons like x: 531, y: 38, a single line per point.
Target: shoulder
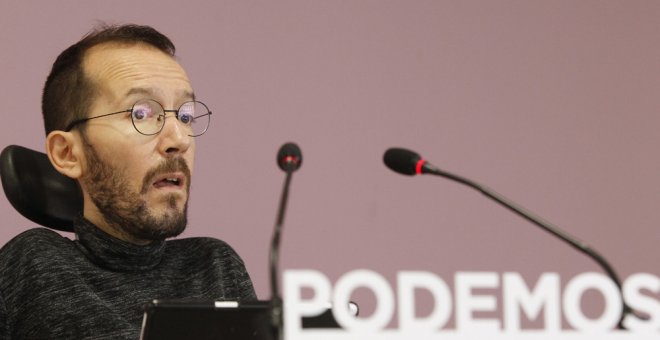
x: 35, y: 247
x: 202, y: 252
x: 201, y: 247
x: 40, y: 239
x: 31, y: 257
x: 211, y: 261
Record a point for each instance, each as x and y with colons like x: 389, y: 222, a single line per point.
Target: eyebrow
x: 154, y: 92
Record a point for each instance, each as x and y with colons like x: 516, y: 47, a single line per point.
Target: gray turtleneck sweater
x: 96, y: 287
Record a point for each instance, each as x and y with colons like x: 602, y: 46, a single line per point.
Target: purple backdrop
x: 555, y: 104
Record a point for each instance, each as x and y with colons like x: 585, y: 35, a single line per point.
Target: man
x: 121, y: 118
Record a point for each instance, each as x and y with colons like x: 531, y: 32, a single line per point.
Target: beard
x: 125, y: 209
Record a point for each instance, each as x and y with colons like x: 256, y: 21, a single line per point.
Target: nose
x: 173, y: 138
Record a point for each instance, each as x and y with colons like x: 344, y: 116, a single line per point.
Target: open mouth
x: 173, y: 181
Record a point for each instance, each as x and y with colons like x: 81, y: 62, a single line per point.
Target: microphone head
x: 289, y: 158
x: 403, y: 161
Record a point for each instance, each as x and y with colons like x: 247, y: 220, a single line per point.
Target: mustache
x: 177, y: 164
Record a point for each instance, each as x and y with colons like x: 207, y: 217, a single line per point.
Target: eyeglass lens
x: 149, y: 117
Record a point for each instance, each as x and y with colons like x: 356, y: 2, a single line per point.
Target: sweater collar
x: 112, y: 253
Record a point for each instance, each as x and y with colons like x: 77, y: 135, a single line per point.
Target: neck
x: 92, y: 214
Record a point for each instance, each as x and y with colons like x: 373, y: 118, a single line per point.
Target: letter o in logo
x: 572, y: 297
x: 347, y: 284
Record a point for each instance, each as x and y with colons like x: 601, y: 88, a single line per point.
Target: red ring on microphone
x: 419, y: 165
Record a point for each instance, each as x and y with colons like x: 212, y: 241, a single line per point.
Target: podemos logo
x: 545, y: 300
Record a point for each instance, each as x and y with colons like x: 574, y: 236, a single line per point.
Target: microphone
x: 289, y: 159
x: 410, y: 163
x: 406, y: 162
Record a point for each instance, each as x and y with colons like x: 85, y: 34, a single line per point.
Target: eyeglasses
x: 148, y: 117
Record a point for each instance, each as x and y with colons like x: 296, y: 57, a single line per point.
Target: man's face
x: 136, y: 187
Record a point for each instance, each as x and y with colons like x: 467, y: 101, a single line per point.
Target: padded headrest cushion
x: 37, y: 190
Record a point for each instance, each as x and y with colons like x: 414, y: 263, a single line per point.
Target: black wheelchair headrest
x: 37, y: 190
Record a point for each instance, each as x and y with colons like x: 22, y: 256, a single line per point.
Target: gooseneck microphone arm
x: 407, y: 162
x: 276, y: 299
x: 289, y: 159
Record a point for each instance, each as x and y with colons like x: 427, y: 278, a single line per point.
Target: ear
x: 65, y: 153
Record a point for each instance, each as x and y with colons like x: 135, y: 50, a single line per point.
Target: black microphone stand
x: 545, y: 225
x: 289, y: 159
x: 276, y: 300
